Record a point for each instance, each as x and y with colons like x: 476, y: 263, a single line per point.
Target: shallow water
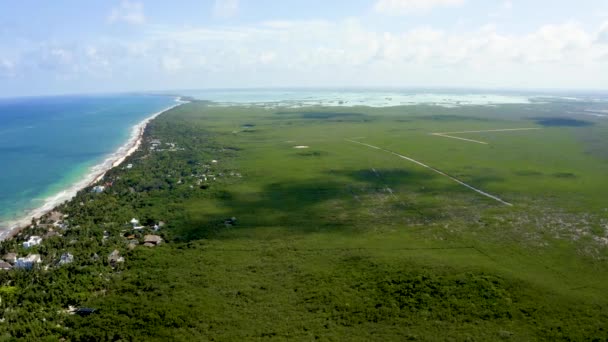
x: 348, y: 98
x: 49, y: 143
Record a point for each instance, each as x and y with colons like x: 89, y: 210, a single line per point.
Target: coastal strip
x: 96, y: 173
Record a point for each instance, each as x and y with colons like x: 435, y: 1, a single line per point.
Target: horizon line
x: 176, y: 91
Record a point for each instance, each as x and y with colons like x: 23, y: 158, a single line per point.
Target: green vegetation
x: 334, y: 240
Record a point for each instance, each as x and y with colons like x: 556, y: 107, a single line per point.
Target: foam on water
x: 90, y: 168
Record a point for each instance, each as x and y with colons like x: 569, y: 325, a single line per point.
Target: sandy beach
x: 96, y: 173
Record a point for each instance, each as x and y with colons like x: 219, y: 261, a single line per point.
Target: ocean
x: 50, y: 144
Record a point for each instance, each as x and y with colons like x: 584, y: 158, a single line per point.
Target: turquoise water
x: 382, y: 97
x: 348, y: 98
x: 49, y: 143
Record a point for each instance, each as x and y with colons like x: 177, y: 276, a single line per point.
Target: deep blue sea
x: 47, y: 144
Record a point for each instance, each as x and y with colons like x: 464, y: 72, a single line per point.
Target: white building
x: 28, y: 262
x: 135, y: 224
x: 32, y: 241
x: 98, y: 189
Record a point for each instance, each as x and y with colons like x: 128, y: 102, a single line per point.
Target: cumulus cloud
x: 128, y: 12
x: 225, y: 8
x: 346, y: 52
x: 401, y: 7
x: 350, y: 51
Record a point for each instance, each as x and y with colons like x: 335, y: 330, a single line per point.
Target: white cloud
x: 7, y: 68
x: 128, y: 12
x: 96, y: 62
x: 61, y: 55
x: 310, y: 46
x: 401, y: 7
x: 171, y: 64
x: 602, y: 36
x: 225, y: 8
x: 267, y: 57
x: 52, y: 58
x: 348, y: 52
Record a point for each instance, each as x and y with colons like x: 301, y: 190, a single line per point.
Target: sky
x: 72, y: 46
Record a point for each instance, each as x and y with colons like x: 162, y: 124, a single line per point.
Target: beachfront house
x: 51, y: 234
x: 32, y: 241
x: 155, y: 143
x: 60, y: 225
x: 5, y: 266
x: 10, y: 257
x: 66, y: 258
x: 98, y: 189
x: 28, y: 262
x: 55, y: 216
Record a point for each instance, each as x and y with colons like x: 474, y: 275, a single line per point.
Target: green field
x: 342, y: 241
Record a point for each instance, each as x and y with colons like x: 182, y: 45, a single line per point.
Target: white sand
x: 300, y: 146
x: 97, y: 173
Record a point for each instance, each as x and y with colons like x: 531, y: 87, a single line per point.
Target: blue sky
x: 69, y: 46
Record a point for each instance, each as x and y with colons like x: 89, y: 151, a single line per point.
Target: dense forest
x: 173, y: 165
x: 218, y: 229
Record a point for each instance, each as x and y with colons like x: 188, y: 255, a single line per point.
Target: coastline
x: 95, y: 174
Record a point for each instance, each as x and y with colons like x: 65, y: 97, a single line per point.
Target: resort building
x: 10, y: 257
x: 135, y: 223
x: 5, y: 266
x: 28, y: 262
x: 98, y: 189
x: 32, y: 241
x: 152, y: 240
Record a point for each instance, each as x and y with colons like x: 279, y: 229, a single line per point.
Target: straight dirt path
x: 447, y: 134
x: 434, y: 170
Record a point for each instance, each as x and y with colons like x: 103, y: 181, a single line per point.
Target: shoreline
x: 95, y: 174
